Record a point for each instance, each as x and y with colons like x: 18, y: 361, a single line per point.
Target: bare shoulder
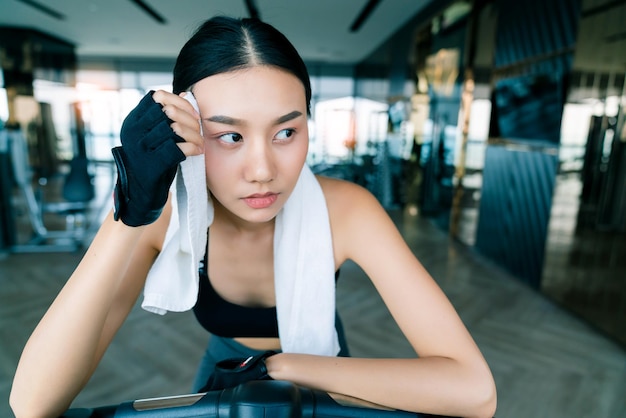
x: 354, y: 213
x: 348, y: 202
x: 343, y: 198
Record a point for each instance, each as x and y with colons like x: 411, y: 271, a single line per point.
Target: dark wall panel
x: 515, y: 208
x: 534, y: 30
x: 535, y: 43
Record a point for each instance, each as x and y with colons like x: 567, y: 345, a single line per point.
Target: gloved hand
x: 233, y: 372
x: 146, y: 163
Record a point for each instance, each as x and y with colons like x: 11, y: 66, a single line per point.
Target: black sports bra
x: 225, y: 319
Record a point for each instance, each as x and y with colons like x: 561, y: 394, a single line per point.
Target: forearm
x: 63, y: 349
x: 433, y: 385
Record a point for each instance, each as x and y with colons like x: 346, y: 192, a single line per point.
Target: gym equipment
x: 258, y: 398
x: 7, y: 226
x: 77, y: 193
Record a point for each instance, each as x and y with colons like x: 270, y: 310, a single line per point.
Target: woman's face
x: 255, y: 139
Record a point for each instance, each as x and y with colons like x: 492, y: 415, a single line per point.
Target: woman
x: 253, y: 95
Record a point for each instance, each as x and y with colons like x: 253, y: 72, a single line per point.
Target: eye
x: 285, y: 134
x: 231, y: 138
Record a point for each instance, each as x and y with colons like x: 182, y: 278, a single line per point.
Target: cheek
x: 294, y: 157
x: 299, y: 149
x: 303, y: 151
x: 213, y: 167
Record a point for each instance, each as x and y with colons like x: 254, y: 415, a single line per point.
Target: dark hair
x: 223, y: 44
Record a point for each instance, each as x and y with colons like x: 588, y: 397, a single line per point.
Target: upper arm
x: 364, y: 233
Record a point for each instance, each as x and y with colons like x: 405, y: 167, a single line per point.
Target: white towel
x: 172, y: 282
x: 304, y: 269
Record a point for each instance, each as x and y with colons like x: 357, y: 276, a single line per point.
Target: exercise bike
x: 253, y: 399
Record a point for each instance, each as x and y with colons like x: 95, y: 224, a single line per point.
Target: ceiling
x: 320, y: 29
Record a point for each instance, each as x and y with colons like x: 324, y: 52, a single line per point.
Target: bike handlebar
x: 262, y: 398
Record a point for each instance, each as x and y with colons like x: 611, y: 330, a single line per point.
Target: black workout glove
x: 233, y: 372
x: 146, y: 163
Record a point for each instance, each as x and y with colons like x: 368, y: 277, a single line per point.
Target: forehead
x: 250, y: 88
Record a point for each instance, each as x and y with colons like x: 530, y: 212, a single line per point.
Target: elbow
x: 23, y: 406
x: 21, y: 410
x: 485, y: 399
x: 17, y: 403
x: 19, y: 407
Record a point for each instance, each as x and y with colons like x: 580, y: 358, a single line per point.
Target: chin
x: 259, y: 216
x: 258, y: 221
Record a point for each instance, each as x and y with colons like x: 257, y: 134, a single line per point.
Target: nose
x: 260, y: 162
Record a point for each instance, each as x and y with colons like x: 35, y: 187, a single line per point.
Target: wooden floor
x: 546, y: 362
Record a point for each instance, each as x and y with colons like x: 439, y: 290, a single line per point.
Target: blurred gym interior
x: 493, y: 131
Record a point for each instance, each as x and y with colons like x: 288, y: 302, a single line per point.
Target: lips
x: 261, y: 201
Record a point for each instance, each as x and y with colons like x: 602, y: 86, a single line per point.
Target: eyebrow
x: 227, y: 120
x: 289, y: 116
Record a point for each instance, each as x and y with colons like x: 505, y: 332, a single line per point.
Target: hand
x: 156, y: 136
x: 233, y: 372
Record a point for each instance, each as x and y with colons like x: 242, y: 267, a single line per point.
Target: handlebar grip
x: 183, y: 406
x: 206, y: 405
